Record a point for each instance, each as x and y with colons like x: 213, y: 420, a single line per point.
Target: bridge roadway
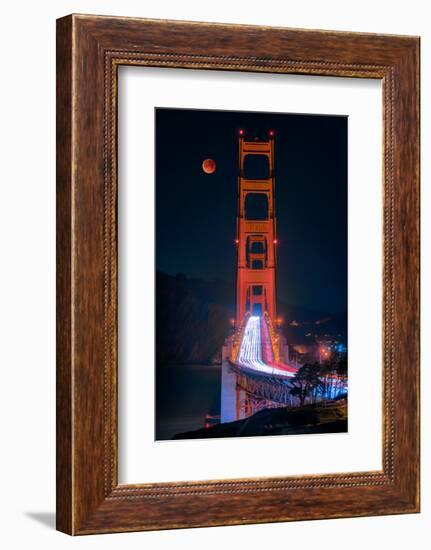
x: 255, y: 353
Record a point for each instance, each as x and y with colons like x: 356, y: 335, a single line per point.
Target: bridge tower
x: 256, y: 239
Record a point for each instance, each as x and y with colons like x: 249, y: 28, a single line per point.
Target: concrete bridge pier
x: 228, y: 408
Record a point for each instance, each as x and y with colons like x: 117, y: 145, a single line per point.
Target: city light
x: 275, y: 241
x: 324, y: 352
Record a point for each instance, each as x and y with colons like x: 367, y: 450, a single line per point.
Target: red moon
x: 209, y: 166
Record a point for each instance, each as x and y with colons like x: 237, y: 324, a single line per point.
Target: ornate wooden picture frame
x: 89, y: 51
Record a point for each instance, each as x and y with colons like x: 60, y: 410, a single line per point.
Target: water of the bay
x: 185, y: 394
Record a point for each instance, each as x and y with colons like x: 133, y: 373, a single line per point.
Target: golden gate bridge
x: 256, y: 371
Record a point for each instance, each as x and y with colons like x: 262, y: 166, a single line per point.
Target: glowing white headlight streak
x: 250, y: 351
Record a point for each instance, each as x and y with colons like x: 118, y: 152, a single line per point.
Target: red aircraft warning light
x: 241, y: 132
x: 271, y: 133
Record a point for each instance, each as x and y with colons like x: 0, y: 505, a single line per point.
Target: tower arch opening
x: 256, y: 206
x: 256, y: 167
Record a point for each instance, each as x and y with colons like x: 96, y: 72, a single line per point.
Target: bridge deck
x: 256, y: 353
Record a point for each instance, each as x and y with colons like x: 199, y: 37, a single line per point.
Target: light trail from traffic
x: 250, y: 351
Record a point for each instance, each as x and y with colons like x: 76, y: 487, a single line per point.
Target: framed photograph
x: 225, y: 364
x: 237, y: 274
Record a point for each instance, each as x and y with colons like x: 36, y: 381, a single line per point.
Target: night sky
x: 196, y: 212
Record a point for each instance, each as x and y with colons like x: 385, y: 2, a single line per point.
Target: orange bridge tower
x: 256, y: 238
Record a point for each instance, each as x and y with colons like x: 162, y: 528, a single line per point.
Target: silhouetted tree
x: 306, y: 380
x: 333, y: 375
x: 341, y: 371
